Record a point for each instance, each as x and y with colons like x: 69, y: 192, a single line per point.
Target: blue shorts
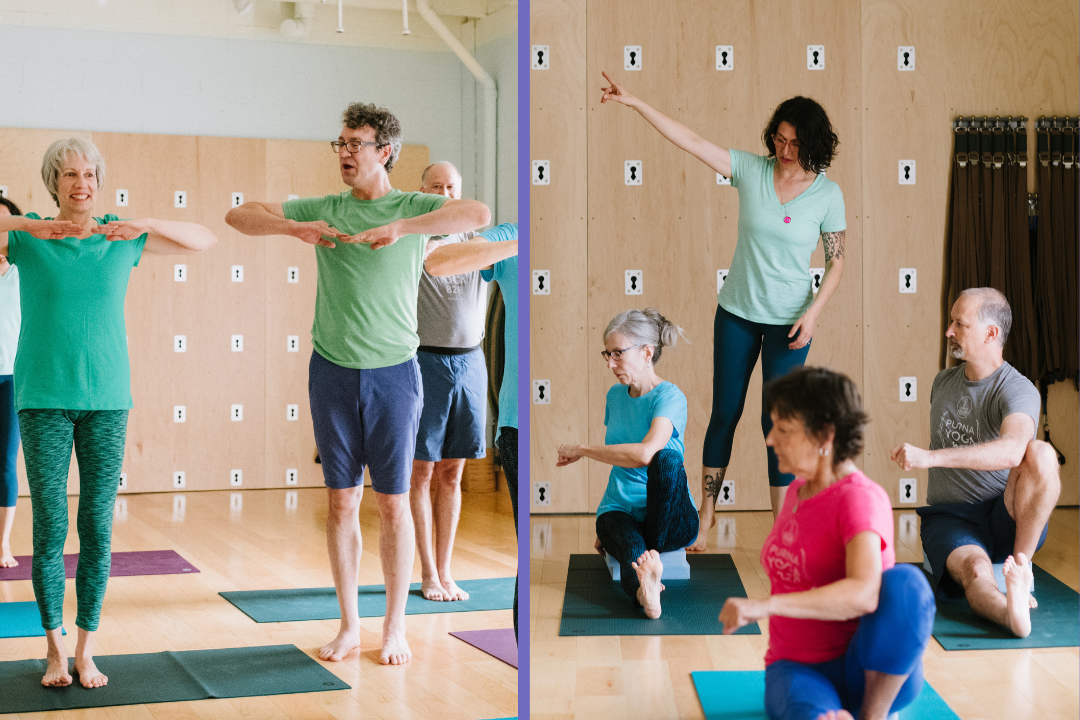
x: 455, y: 406
x: 365, y: 417
x: 986, y: 524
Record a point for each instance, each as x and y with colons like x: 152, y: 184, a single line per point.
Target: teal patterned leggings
x: 47, y: 437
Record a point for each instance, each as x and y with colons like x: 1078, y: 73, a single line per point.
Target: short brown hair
x: 382, y: 121
x: 821, y: 399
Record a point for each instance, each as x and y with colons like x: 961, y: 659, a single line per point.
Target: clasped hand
x: 568, y: 454
x: 908, y: 457
x: 739, y: 612
x: 321, y: 233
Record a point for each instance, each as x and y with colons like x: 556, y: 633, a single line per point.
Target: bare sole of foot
x: 1018, y: 578
x: 339, y: 648
x: 89, y: 675
x: 433, y: 590
x: 702, y: 538
x: 395, y: 648
x: 453, y: 591
x: 649, y: 571
x: 56, y: 673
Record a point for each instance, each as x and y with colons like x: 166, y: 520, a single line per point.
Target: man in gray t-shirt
x: 450, y: 313
x: 992, y: 486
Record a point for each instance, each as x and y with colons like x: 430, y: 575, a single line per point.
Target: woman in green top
x: 767, y: 305
x: 72, y: 379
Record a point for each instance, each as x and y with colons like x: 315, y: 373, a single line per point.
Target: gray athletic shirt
x: 450, y: 310
x: 965, y: 413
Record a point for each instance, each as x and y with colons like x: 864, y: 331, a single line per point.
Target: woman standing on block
x: 767, y: 305
x: 72, y: 379
x: 848, y: 627
x: 647, y: 508
x: 10, y: 317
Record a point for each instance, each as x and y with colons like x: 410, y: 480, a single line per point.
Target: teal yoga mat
x: 740, y: 695
x: 594, y: 604
x: 321, y: 603
x: 170, y: 677
x: 1055, y: 623
x: 20, y: 619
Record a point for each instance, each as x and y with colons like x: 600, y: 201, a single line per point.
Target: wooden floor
x: 649, y: 677
x: 276, y: 539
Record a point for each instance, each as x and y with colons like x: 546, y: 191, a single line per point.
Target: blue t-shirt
x: 505, y: 273
x: 628, y: 420
x: 769, y: 281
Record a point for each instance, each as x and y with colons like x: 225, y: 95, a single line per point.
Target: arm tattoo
x: 833, y: 242
x: 713, y: 483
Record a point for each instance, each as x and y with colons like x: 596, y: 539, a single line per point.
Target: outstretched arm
x: 255, y: 218
x: 1004, y: 453
x: 463, y: 257
x: 628, y: 455
x: 163, y: 237
x: 43, y: 229
x: 716, y: 157
x: 454, y: 216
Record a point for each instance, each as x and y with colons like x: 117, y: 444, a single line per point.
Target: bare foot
x: 1018, y: 578
x: 337, y: 649
x: 433, y: 589
x: 89, y: 675
x: 649, y: 571
x: 453, y: 592
x: 56, y: 672
x: 395, y: 648
x: 702, y: 537
x: 6, y: 558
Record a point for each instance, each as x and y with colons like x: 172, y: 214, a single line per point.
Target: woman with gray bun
x: 647, y: 508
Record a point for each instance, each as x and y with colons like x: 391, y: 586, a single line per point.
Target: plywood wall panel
x: 563, y: 348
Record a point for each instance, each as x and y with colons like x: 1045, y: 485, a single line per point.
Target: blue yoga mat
x: 740, y: 695
x: 20, y: 619
x: 321, y: 603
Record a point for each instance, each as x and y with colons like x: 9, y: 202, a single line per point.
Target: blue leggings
x: 9, y: 443
x: 736, y: 345
x: 890, y: 640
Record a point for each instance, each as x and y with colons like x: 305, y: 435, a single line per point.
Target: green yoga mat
x: 20, y: 619
x: 740, y: 695
x: 170, y: 677
x: 594, y: 604
x: 321, y: 603
x: 1055, y: 623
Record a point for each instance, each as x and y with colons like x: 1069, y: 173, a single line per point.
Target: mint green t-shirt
x: 72, y: 351
x: 769, y: 280
x: 365, y: 306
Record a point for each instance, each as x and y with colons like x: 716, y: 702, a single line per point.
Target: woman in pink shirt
x: 848, y: 627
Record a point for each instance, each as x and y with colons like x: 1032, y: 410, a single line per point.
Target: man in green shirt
x: 364, y: 383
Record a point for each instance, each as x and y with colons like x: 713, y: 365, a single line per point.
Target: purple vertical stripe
x: 524, y: 375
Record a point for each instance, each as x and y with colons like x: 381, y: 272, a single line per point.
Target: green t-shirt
x: 73, y: 346
x: 365, y: 307
x: 769, y: 281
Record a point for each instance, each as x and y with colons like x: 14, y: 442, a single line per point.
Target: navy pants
x: 507, y: 445
x: 671, y: 520
x: 890, y: 640
x: 9, y: 443
x: 737, y: 342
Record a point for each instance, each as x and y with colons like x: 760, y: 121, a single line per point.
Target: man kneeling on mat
x: 647, y: 508
x: 364, y: 383
x: 848, y: 627
x: 992, y: 487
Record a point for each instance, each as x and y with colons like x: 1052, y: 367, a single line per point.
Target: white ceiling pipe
x: 491, y: 97
x: 405, y: 16
x: 300, y: 23
x: 340, y: 17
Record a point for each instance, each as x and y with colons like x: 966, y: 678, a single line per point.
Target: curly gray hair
x: 382, y: 121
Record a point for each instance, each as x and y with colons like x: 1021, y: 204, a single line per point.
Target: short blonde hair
x: 53, y: 162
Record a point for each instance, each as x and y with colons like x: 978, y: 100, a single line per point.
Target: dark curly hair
x: 822, y: 400
x: 12, y: 207
x: 817, y: 141
x: 382, y: 121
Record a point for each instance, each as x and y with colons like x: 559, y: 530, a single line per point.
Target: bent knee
x: 969, y: 564
x: 1041, y: 460
x: 666, y: 459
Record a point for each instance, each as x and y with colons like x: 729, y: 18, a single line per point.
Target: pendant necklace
x: 787, y: 215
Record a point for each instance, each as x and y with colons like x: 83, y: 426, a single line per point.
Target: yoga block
x: 675, y: 566
x: 999, y: 575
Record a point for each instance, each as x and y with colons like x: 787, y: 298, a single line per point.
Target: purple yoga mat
x: 497, y: 643
x: 144, y: 562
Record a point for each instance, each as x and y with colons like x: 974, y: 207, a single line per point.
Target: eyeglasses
x: 617, y: 354
x: 781, y: 141
x: 353, y: 145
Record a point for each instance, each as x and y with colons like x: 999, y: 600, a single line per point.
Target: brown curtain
x: 988, y: 243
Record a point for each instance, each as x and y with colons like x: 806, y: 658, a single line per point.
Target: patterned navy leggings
x: 671, y: 520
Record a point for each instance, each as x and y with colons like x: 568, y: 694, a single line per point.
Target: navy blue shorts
x: 365, y: 417
x: 455, y: 406
x: 986, y: 524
